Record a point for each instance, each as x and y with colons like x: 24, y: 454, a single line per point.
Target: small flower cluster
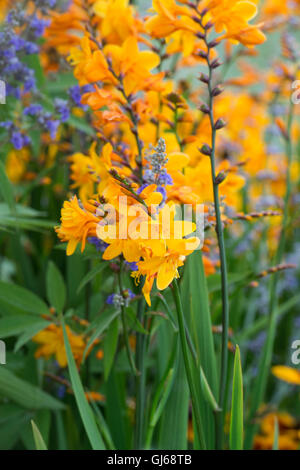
x: 19, y: 38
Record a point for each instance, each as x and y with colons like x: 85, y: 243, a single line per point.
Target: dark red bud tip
x: 220, y: 178
x: 204, y: 78
x: 206, y: 150
x: 205, y: 109
x: 213, y: 43
x: 219, y: 124
x: 216, y: 63
x: 200, y: 35
x: 217, y: 91
x: 208, y: 25
x: 202, y: 54
x: 204, y: 11
x: 196, y: 19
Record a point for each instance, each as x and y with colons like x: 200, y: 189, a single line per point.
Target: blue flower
x: 33, y: 110
x: 19, y: 140
x: 52, y: 126
x: 38, y: 26
x: 132, y: 266
x: 61, y: 107
x: 100, y: 245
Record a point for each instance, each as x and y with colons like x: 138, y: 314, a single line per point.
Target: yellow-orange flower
x: 51, y: 341
x: 77, y: 223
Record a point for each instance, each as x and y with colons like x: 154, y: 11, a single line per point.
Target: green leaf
x: 237, y: 407
x: 133, y: 322
x: 17, y: 324
x: 174, y: 421
x: 28, y: 334
x: 23, y: 299
x: 100, y: 325
x: 195, y: 300
x: 110, y: 343
x: 24, y: 393
x: 6, y: 189
x: 38, y: 439
x: 90, y: 275
x: 84, y: 408
x: 56, y: 289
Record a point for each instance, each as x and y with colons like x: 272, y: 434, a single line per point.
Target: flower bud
x: 202, y: 54
x: 206, y: 150
x: 217, y: 91
x: 204, y: 78
x: 219, y: 124
x: 213, y: 43
x: 204, y: 108
x: 220, y: 177
x: 216, y: 63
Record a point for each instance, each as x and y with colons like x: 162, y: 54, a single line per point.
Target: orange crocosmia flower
x: 90, y: 64
x: 164, y: 266
x: 101, y: 97
x: 163, y: 269
x: 132, y: 65
x: 233, y: 16
x: 51, y: 341
x: 117, y: 20
x: 170, y: 17
x: 77, y: 223
x: 287, y: 374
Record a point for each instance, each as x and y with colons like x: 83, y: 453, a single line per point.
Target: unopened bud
x: 208, y: 25
x: 204, y: 108
x: 217, y: 91
x: 220, y: 177
x: 204, y: 11
x: 213, y: 43
x: 206, y: 150
x: 202, y: 54
x: 200, y: 35
x: 219, y: 124
x: 204, y: 78
x: 216, y: 63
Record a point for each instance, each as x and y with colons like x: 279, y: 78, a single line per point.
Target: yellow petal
x: 165, y: 276
x: 287, y: 374
x: 113, y: 250
x: 72, y: 244
x: 149, y: 59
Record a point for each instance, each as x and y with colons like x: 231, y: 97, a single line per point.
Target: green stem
x: 125, y: 330
x: 223, y: 263
x: 188, y: 367
x: 141, y: 346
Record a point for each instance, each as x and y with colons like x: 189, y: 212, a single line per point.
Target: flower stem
x: 141, y: 345
x: 125, y: 330
x: 188, y: 367
x: 212, y: 92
